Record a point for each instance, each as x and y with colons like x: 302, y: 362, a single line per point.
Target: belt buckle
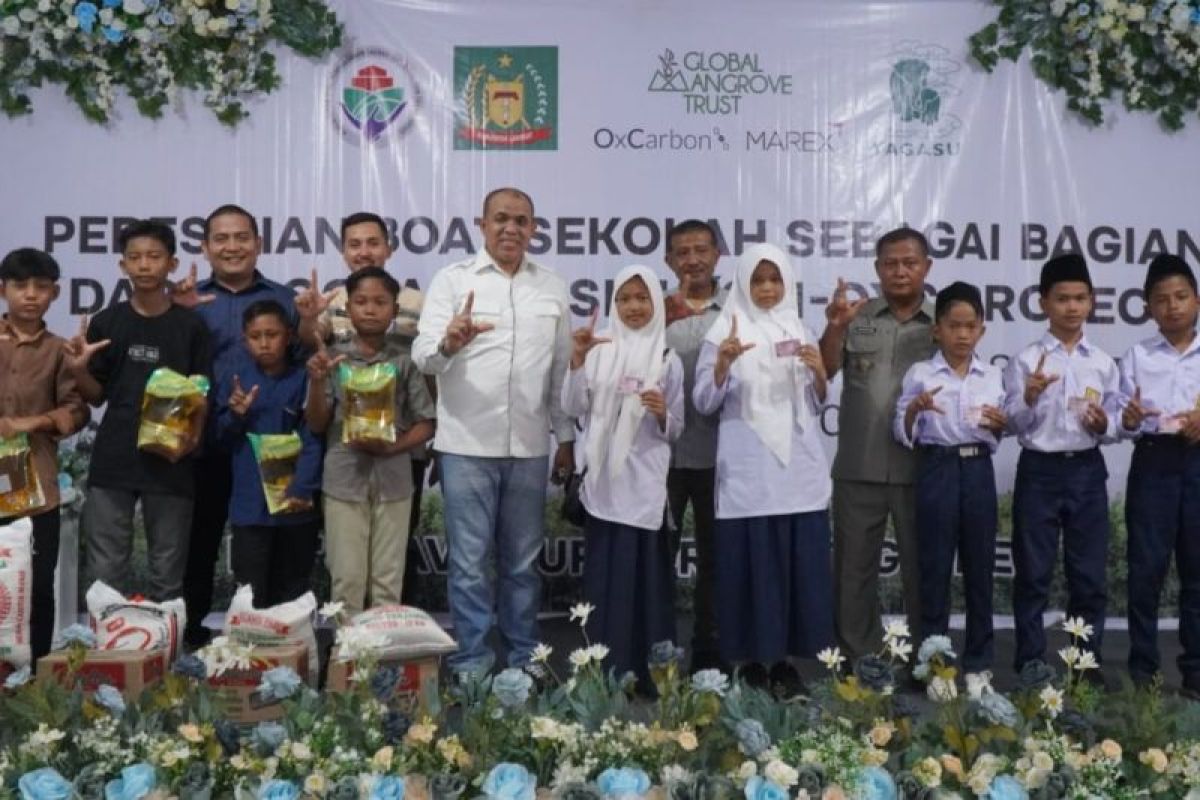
x: 968, y: 450
x: 1070, y: 453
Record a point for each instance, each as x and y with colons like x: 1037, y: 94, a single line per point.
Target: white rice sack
x: 403, y: 632
x: 16, y: 584
x: 286, y: 623
x: 122, y: 623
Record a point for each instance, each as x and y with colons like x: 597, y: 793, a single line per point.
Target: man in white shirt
x: 495, y: 330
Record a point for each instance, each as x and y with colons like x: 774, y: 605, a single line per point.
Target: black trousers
x: 698, y: 486
x: 45, y: 560
x: 276, y: 560
x: 214, y: 484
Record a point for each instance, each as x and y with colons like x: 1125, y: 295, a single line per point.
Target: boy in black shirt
x: 124, y: 344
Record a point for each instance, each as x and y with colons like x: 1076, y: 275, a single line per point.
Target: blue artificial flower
x: 76, y: 633
x: 711, y: 680
x: 248, y: 6
x: 64, y: 481
x: 875, y: 783
x: 136, y: 782
x: 395, y: 725
x: 267, y: 736
x: 623, y: 782
x: 508, y: 781
x: 18, y: 678
x: 279, y: 683
x: 1195, y: 18
x: 383, y: 682
x: 250, y: 24
x: 165, y: 16
x: 664, y: 653
x: 759, y: 788
x: 110, y: 699
x: 1083, y: 9
x: 752, y: 737
x: 190, y: 666
x: 387, y: 787
x: 278, y: 790
x: 112, y: 3
x: 44, y: 784
x: 999, y: 710
x: 1006, y: 787
x: 512, y: 687
x: 935, y: 646
x: 229, y: 736
x: 112, y: 35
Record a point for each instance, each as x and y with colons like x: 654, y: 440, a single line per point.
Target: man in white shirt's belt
x: 495, y: 330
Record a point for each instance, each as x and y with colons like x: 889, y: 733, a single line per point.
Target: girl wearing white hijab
x: 627, y: 390
x: 761, y: 369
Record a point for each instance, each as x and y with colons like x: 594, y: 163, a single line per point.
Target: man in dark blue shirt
x: 231, y: 245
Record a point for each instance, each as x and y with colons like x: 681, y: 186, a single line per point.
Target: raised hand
x: 654, y: 402
x: 994, y: 420
x: 675, y: 306
x: 311, y: 302
x: 810, y: 356
x: 841, y: 310
x: 241, y: 400
x: 1134, y: 413
x: 1037, y: 382
x: 321, y: 364
x: 183, y: 293
x: 924, y: 402
x: 462, y: 330
x: 584, y: 339
x: 729, y: 351
x: 79, y: 350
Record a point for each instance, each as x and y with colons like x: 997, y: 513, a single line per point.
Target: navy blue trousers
x: 956, y: 511
x: 1162, y: 515
x: 1059, y: 494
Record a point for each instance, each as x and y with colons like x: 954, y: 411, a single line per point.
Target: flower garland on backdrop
x: 1146, y: 53
x: 154, y: 48
x: 536, y: 735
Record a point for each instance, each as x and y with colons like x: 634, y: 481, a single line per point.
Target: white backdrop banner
x: 815, y: 125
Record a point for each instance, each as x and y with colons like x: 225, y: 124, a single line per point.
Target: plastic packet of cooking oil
x: 172, y: 412
x: 277, y: 455
x: 20, y: 491
x: 369, y: 398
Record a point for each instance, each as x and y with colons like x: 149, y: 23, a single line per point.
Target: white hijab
x: 770, y: 387
x: 615, y: 417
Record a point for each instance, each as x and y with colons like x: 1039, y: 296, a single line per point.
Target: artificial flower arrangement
x: 534, y: 734
x: 154, y: 48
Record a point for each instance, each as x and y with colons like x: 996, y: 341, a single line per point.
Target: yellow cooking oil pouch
x: 20, y: 491
x: 172, y: 413
x: 369, y: 402
x: 277, y: 455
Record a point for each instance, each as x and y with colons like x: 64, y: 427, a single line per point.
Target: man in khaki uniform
x: 874, y: 342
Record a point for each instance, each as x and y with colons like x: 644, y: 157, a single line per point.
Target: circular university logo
x: 372, y: 96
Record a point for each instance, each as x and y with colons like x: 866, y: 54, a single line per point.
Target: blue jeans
x: 1059, y: 493
x: 1162, y: 514
x: 494, y: 507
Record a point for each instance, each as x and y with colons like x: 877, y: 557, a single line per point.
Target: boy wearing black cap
x: 1160, y: 386
x: 950, y: 411
x: 1062, y: 399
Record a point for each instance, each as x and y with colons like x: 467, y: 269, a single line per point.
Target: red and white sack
x: 286, y: 623
x: 404, y: 632
x: 16, y: 584
x: 123, y: 623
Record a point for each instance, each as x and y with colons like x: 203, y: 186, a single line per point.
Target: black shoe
x: 754, y: 675
x: 785, y: 681
x: 707, y: 659
x: 1095, y: 678
x: 195, y: 638
x: 1142, y: 681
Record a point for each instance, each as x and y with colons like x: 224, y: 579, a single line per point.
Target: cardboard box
x: 418, y: 679
x: 235, y: 692
x: 130, y: 671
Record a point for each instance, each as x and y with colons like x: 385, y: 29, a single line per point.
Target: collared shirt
x: 498, y: 397
x: 959, y: 398
x: 878, y: 351
x: 751, y: 482
x: 278, y: 408
x: 1169, y: 380
x: 34, y: 380
x: 223, y: 316
x: 404, y: 327
x: 696, y: 448
x: 354, y: 476
x: 1053, y: 424
x: 637, y: 494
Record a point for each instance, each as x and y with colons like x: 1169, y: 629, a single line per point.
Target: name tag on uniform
x: 787, y: 347
x: 629, y: 385
x: 864, y: 330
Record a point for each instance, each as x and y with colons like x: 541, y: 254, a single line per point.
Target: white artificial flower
x: 598, y: 652
x: 581, y: 612
x: 11, y: 26
x: 781, y: 773
x: 900, y: 649
x: 355, y: 643
x: 747, y: 770
x: 832, y: 658
x: 135, y: 7
x: 1052, y: 701
x: 580, y: 658
x: 1087, y: 660
x: 942, y: 690
x: 1069, y: 655
x: 895, y: 629
x: 331, y: 610
x: 674, y: 773
x: 979, y: 684
x: 541, y: 653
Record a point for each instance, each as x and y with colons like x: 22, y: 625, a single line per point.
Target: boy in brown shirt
x: 38, y: 398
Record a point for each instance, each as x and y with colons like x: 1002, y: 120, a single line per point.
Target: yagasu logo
x: 638, y: 138
x: 507, y: 98
x: 372, y: 95
x: 716, y: 82
x: 921, y: 84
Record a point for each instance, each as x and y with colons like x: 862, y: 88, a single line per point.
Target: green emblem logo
x: 508, y: 98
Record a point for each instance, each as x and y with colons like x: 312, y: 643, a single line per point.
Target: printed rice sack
x: 407, y: 632
x: 16, y: 578
x: 290, y: 622
x: 134, y: 623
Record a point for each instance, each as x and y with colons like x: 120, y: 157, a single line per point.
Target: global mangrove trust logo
x: 922, y: 82
x: 716, y: 82
x: 507, y: 98
x: 372, y: 96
